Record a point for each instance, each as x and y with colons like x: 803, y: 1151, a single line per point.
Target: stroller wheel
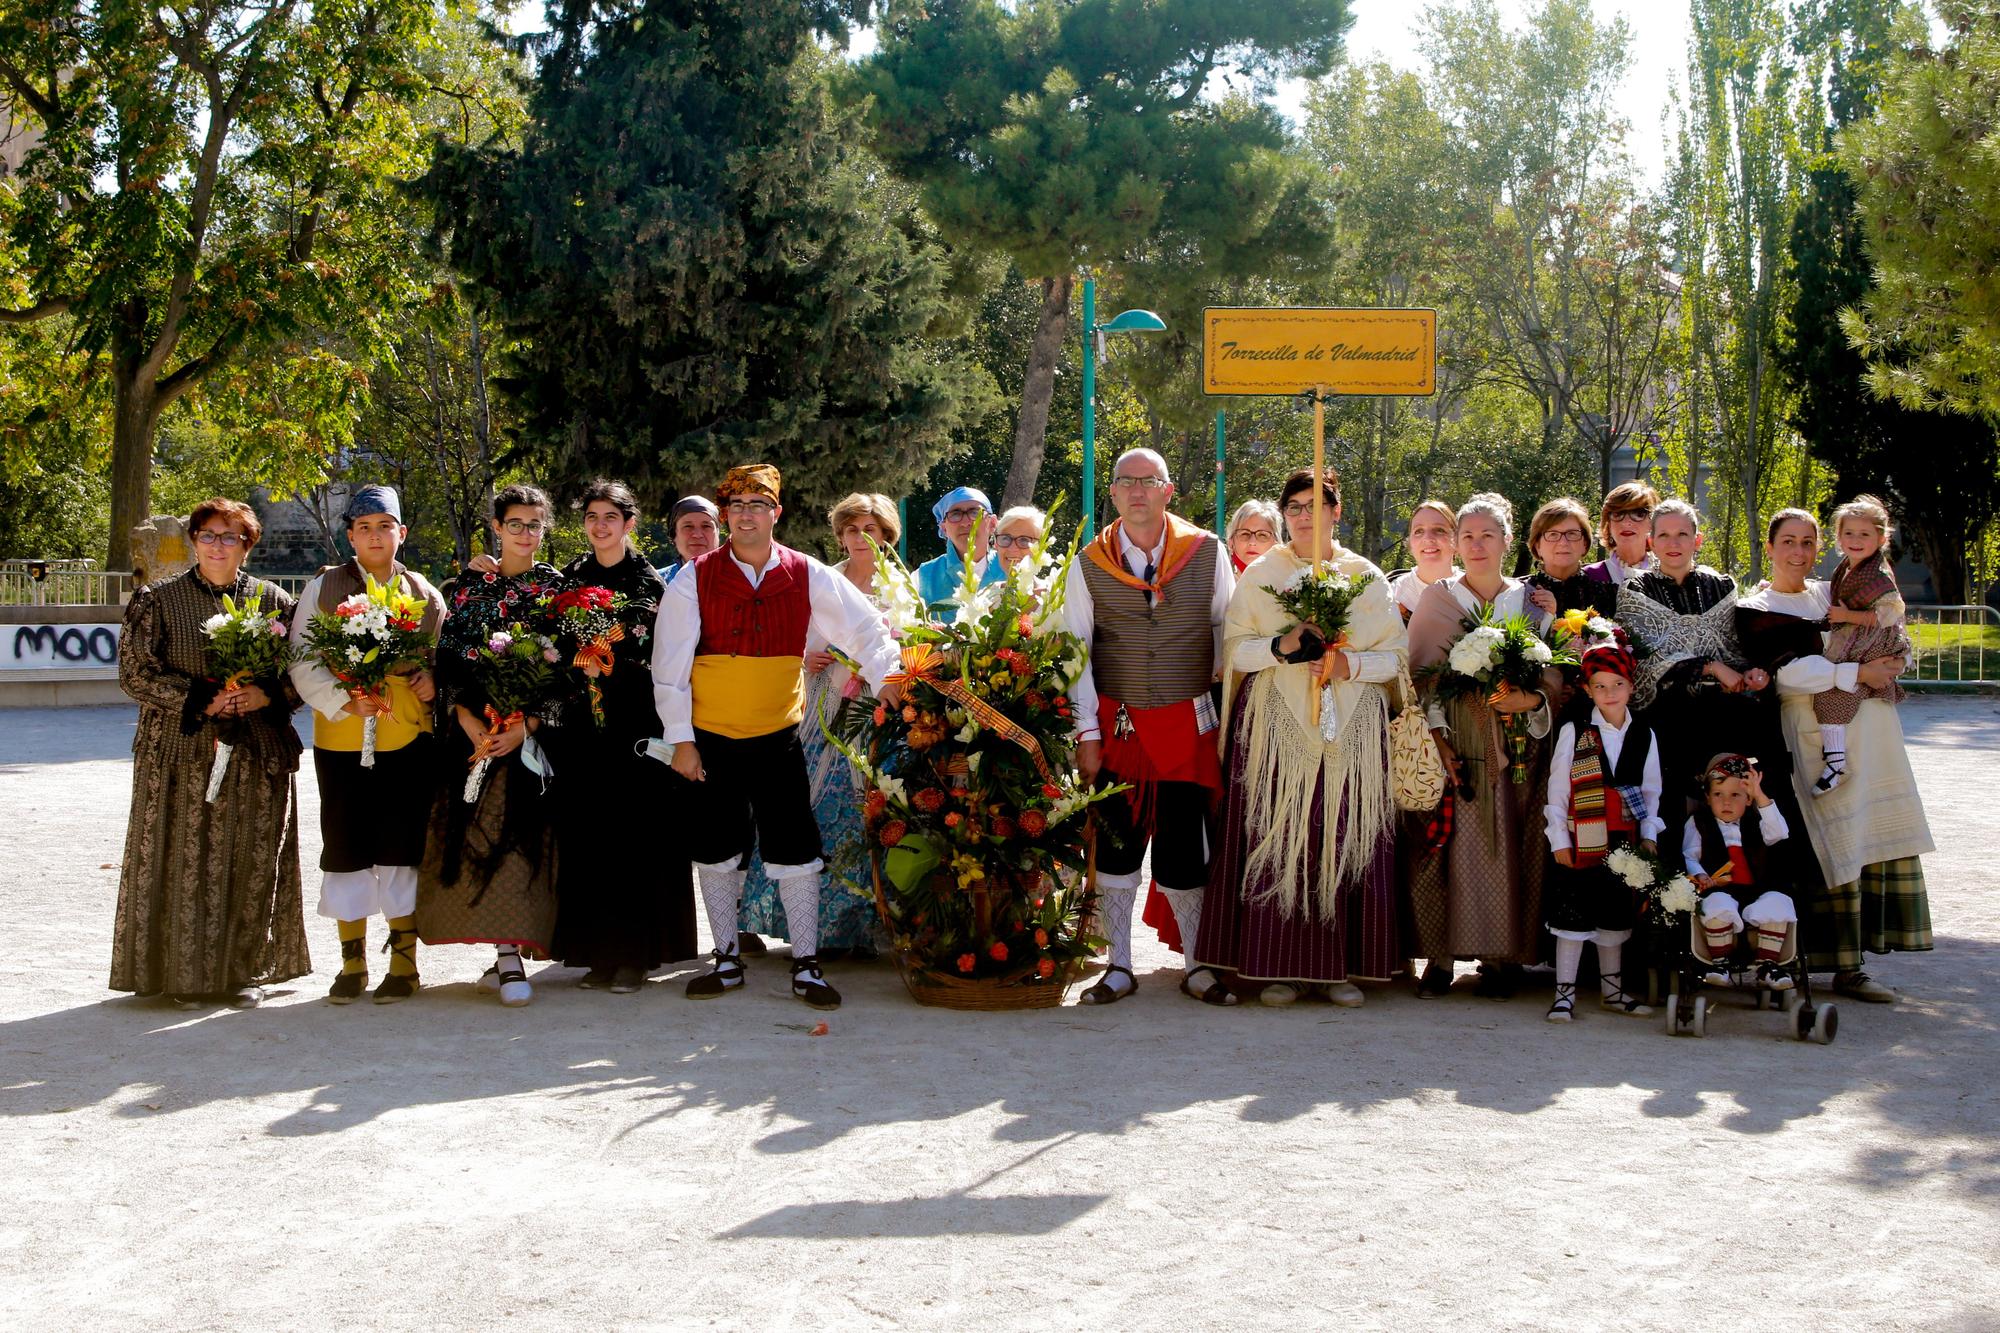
x: 1792, y: 1000
x: 1698, y: 1024
x: 1802, y: 1021
x: 1826, y: 1024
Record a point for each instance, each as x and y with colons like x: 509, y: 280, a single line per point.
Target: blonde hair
x: 1437, y: 505
x: 1559, y: 508
x: 1493, y: 505
x: 1863, y: 506
x: 867, y: 504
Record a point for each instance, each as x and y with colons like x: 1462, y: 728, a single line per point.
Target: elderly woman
x: 1430, y: 539
x: 1869, y: 832
x: 1559, y: 538
x: 1624, y: 526
x: 1016, y: 534
x: 847, y: 894
x: 1479, y: 895
x: 209, y: 904
x: 1253, y: 529
x: 1303, y: 893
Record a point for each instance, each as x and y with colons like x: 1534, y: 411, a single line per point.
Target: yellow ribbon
x: 923, y: 662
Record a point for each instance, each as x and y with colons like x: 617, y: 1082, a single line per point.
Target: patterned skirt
x: 1887, y: 910
x: 488, y: 875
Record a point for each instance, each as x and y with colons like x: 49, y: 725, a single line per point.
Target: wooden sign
x: 1289, y: 350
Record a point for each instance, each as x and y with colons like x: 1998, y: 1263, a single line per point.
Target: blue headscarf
x: 373, y: 499
x: 958, y: 495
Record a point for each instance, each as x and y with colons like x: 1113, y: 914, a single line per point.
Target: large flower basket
x: 1022, y: 988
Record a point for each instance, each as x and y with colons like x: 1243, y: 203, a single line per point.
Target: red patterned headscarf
x: 1613, y: 657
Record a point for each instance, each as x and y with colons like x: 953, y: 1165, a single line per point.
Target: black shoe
x: 726, y: 975
x: 397, y: 986
x: 1435, y: 982
x: 347, y: 987
x: 750, y: 945
x: 1498, y: 981
x: 598, y: 978
x: 626, y: 980
x: 1106, y: 993
x: 810, y: 986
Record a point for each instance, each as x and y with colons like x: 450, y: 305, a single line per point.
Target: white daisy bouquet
x: 369, y: 637
x: 1662, y: 888
x: 246, y: 644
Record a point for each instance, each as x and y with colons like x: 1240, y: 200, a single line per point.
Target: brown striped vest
x: 1152, y: 656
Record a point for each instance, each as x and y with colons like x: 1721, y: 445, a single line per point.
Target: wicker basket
x: 1015, y: 990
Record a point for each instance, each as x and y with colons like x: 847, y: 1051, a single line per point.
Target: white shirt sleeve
x: 1771, y: 823
x: 315, y: 684
x: 1651, y: 788
x: 1691, y: 848
x: 676, y: 633
x: 1218, y: 606
x: 1079, y: 618
x: 1815, y: 674
x: 1372, y: 668
x: 844, y: 618
x: 1252, y: 655
x: 1555, y: 814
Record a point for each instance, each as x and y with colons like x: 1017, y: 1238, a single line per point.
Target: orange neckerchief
x: 1183, y: 538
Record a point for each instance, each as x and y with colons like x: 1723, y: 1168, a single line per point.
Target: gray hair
x: 1019, y: 512
x: 1492, y: 505
x: 1250, y: 509
x: 1681, y: 507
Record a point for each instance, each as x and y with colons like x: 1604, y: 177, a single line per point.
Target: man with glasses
x: 1149, y: 596
x: 965, y: 520
x: 728, y: 679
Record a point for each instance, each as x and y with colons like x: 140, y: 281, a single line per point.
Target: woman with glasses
x: 1625, y: 527
x: 1017, y: 533
x: 209, y: 905
x: 847, y: 894
x: 1253, y: 530
x: 1479, y: 893
x: 487, y: 876
x: 965, y: 521
x: 1559, y: 539
x: 617, y: 919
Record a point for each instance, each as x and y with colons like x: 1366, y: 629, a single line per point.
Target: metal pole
x: 1221, y: 497
x: 1089, y: 407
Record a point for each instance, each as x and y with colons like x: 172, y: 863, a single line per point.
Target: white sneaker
x: 1346, y: 994
x: 516, y: 993
x: 1278, y: 994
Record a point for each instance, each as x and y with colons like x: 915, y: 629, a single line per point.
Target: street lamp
x: 1130, y: 321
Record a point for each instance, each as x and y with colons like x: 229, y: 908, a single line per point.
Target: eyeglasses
x: 517, y: 526
x: 749, y: 506
x: 1140, y: 483
x: 1007, y: 542
x: 227, y: 540
x: 1636, y: 515
x: 1567, y: 537
x: 1256, y: 534
x: 1300, y: 509
x: 963, y: 514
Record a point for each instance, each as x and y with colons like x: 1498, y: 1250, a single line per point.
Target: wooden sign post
x: 1318, y: 350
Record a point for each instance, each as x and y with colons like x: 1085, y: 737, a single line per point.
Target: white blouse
x: 1805, y: 675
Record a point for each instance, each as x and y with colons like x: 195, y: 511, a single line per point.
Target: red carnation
x: 881, y: 715
x: 1050, y: 790
x: 954, y: 819
x: 1041, y: 938
x: 1034, y: 699
x: 1046, y: 968
x: 1033, y: 823
x: 1025, y: 625
x: 892, y: 832
x: 966, y: 962
x: 998, y: 952
x: 928, y: 800
x: 1003, y: 827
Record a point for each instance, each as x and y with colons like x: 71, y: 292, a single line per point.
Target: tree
x: 1072, y: 134
x: 1929, y: 186
x: 205, y: 189
x: 694, y: 263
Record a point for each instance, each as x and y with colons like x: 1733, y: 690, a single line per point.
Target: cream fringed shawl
x: 1285, y: 751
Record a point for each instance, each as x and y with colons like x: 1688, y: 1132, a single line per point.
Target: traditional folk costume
x: 1304, y: 884
x: 488, y: 874
x: 371, y: 820
x: 728, y: 675
x: 209, y: 902
x: 1871, y: 587
x: 617, y: 919
x: 1578, y: 592
x: 1152, y: 621
x: 1603, y: 794
x: 847, y: 918
x: 1615, y: 573
x: 1868, y: 834
x: 941, y: 579
x: 1479, y: 894
x: 1407, y: 587
x: 1756, y: 854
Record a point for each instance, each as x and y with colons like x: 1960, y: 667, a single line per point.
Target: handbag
x: 1416, y: 769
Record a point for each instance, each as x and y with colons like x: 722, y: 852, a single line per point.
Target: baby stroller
x: 1698, y: 967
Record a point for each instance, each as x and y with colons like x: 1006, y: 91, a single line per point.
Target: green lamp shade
x: 1134, y: 321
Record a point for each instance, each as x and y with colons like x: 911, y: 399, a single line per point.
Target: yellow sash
x: 412, y: 719
x: 743, y: 697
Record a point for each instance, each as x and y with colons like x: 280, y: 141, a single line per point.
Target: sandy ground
x: 599, y: 1160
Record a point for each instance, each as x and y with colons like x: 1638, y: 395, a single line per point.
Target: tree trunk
x: 134, y: 419
x: 1943, y: 549
x: 1038, y: 390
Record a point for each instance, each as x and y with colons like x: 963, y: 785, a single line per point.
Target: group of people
x: 1728, y: 728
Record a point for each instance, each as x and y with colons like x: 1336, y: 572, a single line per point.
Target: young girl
x: 1867, y: 616
x: 1604, y: 792
x: 1749, y: 865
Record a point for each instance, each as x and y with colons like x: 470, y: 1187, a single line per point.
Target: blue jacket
x: 942, y: 579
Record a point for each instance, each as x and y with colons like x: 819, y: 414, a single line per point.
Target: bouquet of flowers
x: 1663, y: 891
x: 1494, y: 654
x: 1322, y: 597
x: 245, y: 644
x: 587, y: 619
x: 972, y: 803
x: 373, y: 635
x: 517, y: 666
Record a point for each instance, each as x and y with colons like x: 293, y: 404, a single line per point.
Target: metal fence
x: 1955, y: 645
x: 80, y: 583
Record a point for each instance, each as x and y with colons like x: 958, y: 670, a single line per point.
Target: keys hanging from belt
x: 1122, y: 727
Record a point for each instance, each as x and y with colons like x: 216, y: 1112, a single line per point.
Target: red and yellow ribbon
x: 597, y: 653
x: 923, y: 662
